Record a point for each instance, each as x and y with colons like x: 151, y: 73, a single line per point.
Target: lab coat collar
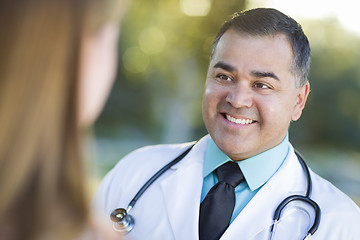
x: 182, y: 192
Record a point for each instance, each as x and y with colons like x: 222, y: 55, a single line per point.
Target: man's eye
x: 261, y: 86
x: 224, y: 77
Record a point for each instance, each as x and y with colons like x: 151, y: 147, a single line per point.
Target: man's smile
x: 243, y: 121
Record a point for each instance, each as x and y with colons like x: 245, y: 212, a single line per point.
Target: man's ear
x: 300, y: 101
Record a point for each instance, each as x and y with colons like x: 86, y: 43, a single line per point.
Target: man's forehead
x: 234, y: 34
x: 234, y: 42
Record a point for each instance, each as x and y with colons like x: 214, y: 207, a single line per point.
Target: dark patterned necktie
x: 217, y: 207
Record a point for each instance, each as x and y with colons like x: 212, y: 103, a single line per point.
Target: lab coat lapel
x: 256, y: 218
x: 182, y: 192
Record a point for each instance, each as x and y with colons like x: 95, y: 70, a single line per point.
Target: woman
x: 57, y: 63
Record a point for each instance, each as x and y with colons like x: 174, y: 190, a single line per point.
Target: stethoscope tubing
x: 306, y: 198
x: 307, y: 172
x: 156, y: 176
x: 120, y: 214
x: 311, y: 202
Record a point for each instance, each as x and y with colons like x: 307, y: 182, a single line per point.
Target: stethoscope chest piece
x: 123, y: 222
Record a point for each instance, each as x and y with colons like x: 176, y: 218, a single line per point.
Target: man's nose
x: 240, y: 95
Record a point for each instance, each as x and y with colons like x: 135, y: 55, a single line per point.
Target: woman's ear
x: 300, y: 101
x: 98, y: 69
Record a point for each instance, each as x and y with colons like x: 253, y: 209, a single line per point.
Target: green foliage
x: 332, y: 115
x: 163, y: 60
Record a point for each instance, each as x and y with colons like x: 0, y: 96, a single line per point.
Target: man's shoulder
x: 340, y: 216
x: 132, y: 171
x: 332, y: 200
x: 324, y: 189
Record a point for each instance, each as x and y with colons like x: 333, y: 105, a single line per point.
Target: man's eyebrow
x: 225, y: 66
x: 261, y: 74
x: 255, y: 73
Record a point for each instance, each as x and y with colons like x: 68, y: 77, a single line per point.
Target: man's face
x: 250, y: 94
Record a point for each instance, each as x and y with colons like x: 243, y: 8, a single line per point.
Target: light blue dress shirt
x: 257, y: 170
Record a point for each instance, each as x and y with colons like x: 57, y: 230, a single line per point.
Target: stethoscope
x: 124, y: 222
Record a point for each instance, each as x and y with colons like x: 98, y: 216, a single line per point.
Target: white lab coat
x: 169, y: 209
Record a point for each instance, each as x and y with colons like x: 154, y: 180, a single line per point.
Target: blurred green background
x: 163, y: 57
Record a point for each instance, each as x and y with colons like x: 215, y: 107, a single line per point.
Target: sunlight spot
x: 152, y: 40
x: 135, y: 60
x: 345, y: 11
x: 195, y: 7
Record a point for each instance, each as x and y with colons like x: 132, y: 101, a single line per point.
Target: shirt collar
x: 257, y: 170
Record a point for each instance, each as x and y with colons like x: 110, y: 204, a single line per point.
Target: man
x: 256, y: 85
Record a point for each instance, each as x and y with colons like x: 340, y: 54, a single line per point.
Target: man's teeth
x: 238, y: 121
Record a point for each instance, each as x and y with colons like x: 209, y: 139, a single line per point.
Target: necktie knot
x: 230, y: 173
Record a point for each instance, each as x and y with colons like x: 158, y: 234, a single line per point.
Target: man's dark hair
x: 268, y: 21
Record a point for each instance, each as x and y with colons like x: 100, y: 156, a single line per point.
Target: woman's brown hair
x: 41, y: 170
